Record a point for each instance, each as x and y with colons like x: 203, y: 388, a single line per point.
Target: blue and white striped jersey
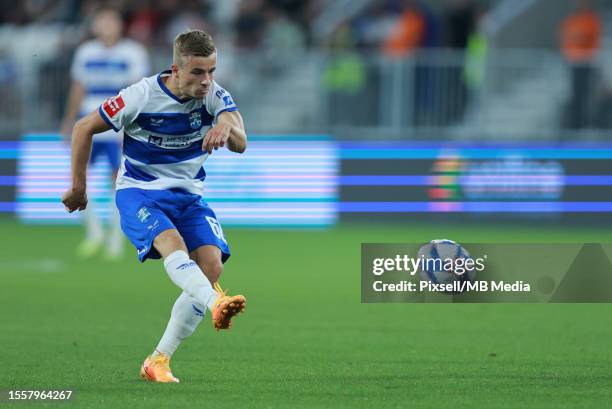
x: 162, y: 144
x: 104, y: 71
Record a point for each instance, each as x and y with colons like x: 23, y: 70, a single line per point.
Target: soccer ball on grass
x: 444, y: 262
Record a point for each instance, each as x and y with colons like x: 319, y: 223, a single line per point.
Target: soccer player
x: 172, y: 122
x: 100, y: 69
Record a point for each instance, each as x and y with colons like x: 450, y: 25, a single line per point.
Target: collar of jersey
x: 167, y: 91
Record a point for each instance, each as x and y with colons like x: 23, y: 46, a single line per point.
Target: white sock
x: 93, y: 225
x: 185, y: 273
x: 186, y: 315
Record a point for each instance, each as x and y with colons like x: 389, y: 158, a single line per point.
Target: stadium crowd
x: 397, y: 26
x: 287, y: 28
x: 155, y: 22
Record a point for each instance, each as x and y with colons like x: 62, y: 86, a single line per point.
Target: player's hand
x: 75, y: 199
x: 216, y: 137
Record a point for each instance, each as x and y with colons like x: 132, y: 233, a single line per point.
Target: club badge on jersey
x: 195, y: 120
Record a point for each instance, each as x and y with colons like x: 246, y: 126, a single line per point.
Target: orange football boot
x: 157, y: 369
x: 226, y: 308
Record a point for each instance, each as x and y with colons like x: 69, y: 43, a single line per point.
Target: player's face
x: 107, y: 26
x: 196, y: 75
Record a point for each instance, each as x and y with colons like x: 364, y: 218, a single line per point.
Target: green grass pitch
x: 305, y: 340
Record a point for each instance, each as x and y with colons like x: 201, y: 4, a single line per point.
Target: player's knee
x: 213, y: 270
x: 169, y: 241
x: 170, y: 237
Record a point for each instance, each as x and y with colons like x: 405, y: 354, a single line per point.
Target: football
x: 444, y: 261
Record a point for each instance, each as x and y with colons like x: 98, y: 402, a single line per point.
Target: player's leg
x: 209, y: 258
x: 186, y: 315
x: 114, y: 246
x: 182, y: 270
x: 205, y: 240
x: 189, y: 308
x: 187, y: 312
x: 145, y: 222
x: 94, y: 233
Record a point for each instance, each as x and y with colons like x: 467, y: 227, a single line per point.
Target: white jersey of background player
x: 171, y: 123
x: 100, y: 69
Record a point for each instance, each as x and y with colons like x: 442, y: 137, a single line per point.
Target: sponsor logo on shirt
x: 172, y: 142
x: 156, y: 140
x: 113, y: 105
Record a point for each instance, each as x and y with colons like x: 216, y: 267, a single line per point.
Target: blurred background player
x: 100, y: 69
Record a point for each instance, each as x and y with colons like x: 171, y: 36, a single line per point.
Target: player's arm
x: 82, y: 136
x: 73, y: 106
x: 229, y: 130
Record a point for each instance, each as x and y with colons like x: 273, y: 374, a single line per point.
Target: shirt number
x: 216, y: 228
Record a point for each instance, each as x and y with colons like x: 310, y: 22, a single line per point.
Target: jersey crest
x: 195, y: 120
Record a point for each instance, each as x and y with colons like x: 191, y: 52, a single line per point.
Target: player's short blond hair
x: 192, y: 42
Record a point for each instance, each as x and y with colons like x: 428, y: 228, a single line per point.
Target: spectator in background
x: 408, y: 32
x: 283, y: 40
x: 373, y: 24
x: 474, y: 73
x: 190, y: 15
x: 460, y: 22
x: 101, y: 68
x: 249, y: 24
x: 12, y: 12
x: 45, y: 11
x: 460, y: 18
x: 603, y: 116
x: 299, y: 12
x: 39, y: 11
x: 429, y: 75
x: 344, y: 80
x: 416, y: 28
x: 476, y: 57
x: 580, y: 40
x: 10, y: 97
x: 143, y: 22
x: 406, y: 36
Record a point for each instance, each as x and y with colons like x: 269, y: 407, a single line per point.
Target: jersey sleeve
x: 122, y: 109
x: 219, y: 100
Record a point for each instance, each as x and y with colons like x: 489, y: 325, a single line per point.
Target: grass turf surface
x: 305, y: 340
